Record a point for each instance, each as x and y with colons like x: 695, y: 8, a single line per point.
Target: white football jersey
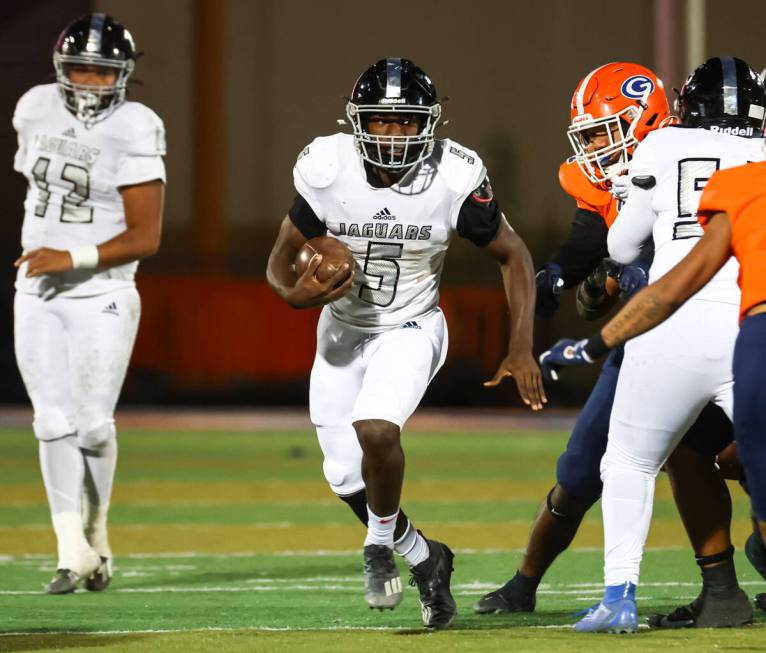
x: 680, y: 160
x: 74, y: 175
x: 398, y: 235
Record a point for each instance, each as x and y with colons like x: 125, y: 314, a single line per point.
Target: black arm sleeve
x: 583, y: 249
x: 305, y: 220
x: 479, y: 216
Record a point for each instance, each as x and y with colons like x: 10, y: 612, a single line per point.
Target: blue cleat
x: 615, y: 614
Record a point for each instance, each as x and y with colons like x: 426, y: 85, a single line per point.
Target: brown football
x: 334, y: 255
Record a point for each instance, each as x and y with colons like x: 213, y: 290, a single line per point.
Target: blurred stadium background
x: 243, y: 85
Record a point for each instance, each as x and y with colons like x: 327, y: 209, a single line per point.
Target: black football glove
x: 550, y: 285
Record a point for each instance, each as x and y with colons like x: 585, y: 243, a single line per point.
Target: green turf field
x: 232, y: 541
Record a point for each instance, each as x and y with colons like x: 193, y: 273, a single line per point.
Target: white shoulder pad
x: 34, y: 103
x: 657, y: 138
x: 319, y: 162
x: 462, y: 169
x: 141, y: 130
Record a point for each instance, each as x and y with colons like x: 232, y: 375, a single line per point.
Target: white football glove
x: 620, y: 188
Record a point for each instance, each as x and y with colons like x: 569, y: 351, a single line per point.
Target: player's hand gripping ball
x: 334, y: 254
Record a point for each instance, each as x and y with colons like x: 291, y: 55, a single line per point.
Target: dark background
x: 243, y: 85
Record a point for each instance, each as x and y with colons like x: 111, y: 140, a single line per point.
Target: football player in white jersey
x: 395, y: 196
x: 671, y: 372
x: 93, y: 208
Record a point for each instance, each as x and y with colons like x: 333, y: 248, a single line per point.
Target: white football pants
x: 73, y: 354
x: 359, y: 375
x: 668, y: 375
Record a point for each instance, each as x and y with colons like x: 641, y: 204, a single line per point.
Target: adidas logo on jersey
x: 385, y: 214
x: 70, y: 133
x: 111, y: 308
x: 734, y: 131
x: 411, y: 325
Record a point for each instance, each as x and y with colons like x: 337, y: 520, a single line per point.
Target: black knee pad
x: 563, y: 505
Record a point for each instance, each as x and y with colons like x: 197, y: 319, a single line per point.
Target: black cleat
x: 509, y: 598
x: 99, y: 580
x: 432, y: 577
x: 708, y: 610
x: 756, y: 553
x: 760, y: 601
x: 382, y: 583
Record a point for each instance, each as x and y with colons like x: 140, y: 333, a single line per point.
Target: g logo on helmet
x: 637, y: 86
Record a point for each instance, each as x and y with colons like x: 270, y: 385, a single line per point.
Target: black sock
x: 526, y: 584
x: 722, y: 577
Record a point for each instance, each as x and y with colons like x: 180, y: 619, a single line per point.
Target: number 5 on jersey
x: 382, y: 273
x: 693, y: 174
x: 72, y: 209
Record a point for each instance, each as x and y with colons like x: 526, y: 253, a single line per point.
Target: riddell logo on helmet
x: 583, y: 117
x: 734, y: 131
x: 393, y: 100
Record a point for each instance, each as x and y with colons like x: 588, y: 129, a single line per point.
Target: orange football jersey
x: 587, y: 195
x: 741, y: 193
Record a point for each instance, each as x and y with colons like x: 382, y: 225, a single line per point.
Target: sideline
x: 445, y: 420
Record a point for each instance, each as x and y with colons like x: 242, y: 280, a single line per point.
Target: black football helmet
x: 94, y: 40
x: 723, y: 94
x: 394, y: 85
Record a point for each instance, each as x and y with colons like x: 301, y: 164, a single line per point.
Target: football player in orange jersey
x: 613, y: 108
x: 670, y: 372
x: 733, y: 213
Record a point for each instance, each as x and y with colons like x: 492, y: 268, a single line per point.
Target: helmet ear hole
x: 652, y: 119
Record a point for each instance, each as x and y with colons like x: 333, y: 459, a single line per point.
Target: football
x: 334, y: 255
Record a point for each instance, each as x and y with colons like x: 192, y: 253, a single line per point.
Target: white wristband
x: 84, y: 257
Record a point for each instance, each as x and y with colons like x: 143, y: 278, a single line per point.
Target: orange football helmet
x: 626, y: 101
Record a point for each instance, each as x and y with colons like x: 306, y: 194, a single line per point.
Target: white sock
x: 626, y: 504
x: 99, y: 472
x: 63, y: 470
x: 380, y: 530
x: 99, y: 477
x: 94, y: 523
x: 73, y: 549
x: 412, y: 546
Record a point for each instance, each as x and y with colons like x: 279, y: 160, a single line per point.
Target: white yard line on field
x: 315, y: 553
x: 353, y: 584
x: 264, y: 629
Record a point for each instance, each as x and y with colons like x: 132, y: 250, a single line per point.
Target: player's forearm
x: 131, y: 245
x: 143, y: 205
x: 632, y: 227
x: 645, y: 311
x: 280, y: 275
x: 519, y: 282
